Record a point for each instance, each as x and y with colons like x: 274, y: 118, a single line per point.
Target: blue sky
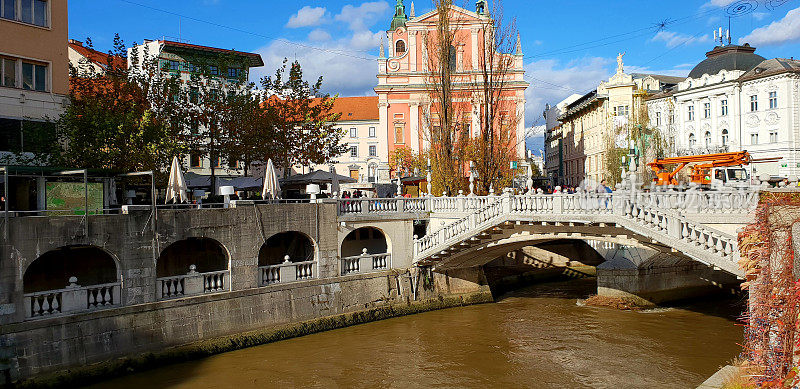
x: 569, y: 45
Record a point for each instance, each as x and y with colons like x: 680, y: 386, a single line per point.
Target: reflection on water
x: 538, y: 337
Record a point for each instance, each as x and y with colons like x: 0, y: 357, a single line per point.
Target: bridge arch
x: 297, y: 245
x: 205, y: 254
x: 90, y: 265
x: 374, y: 239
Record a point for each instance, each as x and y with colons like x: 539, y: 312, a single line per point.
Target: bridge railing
x: 71, y: 299
x: 366, y: 263
x: 684, y: 230
x: 713, y: 202
x: 732, y: 201
x: 192, y: 283
x: 286, y: 272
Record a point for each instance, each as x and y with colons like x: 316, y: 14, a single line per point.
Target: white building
x: 553, y: 147
x: 735, y: 100
x: 182, y: 60
x: 367, y: 157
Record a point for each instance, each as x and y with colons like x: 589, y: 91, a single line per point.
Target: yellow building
x: 590, y: 124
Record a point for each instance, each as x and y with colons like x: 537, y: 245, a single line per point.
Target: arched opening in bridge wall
x: 205, y: 254
x: 272, y: 264
x: 369, y: 238
x: 192, y: 266
x: 298, y: 246
x: 70, y: 279
x: 90, y: 265
x: 365, y: 249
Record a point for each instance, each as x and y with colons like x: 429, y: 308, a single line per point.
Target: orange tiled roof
x: 98, y: 57
x: 356, y: 108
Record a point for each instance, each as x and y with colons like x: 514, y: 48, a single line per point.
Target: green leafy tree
x: 300, y: 126
x: 122, y: 118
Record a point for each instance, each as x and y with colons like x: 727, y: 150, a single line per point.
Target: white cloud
x: 778, y: 32
x: 365, y: 40
x: 306, y: 17
x: 362, y: 17
x: 719, y: 3
x: 318, y: 35
x: 679, y: 70
x: 552, y: 81
x: 759, y: 15
x: 348, y: 75
x: 672, y: 39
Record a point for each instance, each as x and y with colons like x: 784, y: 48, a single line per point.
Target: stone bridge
x: 477, y: 229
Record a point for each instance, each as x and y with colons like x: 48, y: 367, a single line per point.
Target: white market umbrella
x: 334, y: 182
x: 272, y: 189
x: 176, y: 186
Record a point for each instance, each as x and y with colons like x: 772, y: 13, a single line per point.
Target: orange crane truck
x: 722, y: 168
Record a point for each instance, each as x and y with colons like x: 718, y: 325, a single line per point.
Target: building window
x: 753, y: 103
x: 373, y: 151
x: 216, y: 162
x: 621, y: 110
x: 34, y: 77
x: 706, y: 110
x: 723, y: 108
x: 214, y: 70
x: 372, y: 132
x: 692, y: 141
x: 399, y: 47
x: 773, y: 136
x: 353, y: 132
x: 194, y: 94
x: 658, y: 118
x: 754, y: 139
x: 708, y: 139
x: 30, y: 11
x: 398, y: 134
x: 195, y: 160
x: 8, y: 68
x: 691, y: 112
x: 234, y: 72
x: 194, y: 126
x: 671, y: 116
x: 173, y: 65
x: 724, y: 137
x: 773, y: 100
x: 354, y: 151
x: 9, y: 10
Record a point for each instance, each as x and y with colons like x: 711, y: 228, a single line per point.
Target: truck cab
x: 730, y: 176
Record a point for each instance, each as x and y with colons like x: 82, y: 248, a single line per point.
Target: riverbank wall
x: 79, y: 349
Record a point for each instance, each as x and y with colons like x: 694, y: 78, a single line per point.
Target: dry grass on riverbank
x: 621, y: 303
x: 740, y: 377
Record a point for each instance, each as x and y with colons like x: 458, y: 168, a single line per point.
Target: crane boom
x: 703, y: 163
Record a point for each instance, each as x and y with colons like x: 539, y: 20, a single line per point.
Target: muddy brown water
x: 539, y: 337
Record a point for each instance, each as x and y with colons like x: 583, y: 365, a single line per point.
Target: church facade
x: 404, y: 90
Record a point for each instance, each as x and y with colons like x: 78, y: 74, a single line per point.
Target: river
x: 540, y: 337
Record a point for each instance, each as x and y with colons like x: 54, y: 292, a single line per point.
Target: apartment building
x: 219, y: 69
x: 34, y: 76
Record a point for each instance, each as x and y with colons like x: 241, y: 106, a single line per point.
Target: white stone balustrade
x: 733, y: 202
x: 657, y: 216
x: 73, y: 298
x: 192, y: 283
x: 365, y: 263
x: 286, y: 272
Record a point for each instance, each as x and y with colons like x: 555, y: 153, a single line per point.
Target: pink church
x: 403, y: 97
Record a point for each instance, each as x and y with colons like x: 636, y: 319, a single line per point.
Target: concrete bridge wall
x: 141, y: 323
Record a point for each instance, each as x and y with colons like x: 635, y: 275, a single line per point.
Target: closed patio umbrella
x: 176, y: 186
x: 272, y: 189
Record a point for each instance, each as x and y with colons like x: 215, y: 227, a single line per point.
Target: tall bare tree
x: 444, y: 114
x: 493, y: 147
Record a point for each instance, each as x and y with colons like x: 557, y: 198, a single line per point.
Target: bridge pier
x: 647, y: 277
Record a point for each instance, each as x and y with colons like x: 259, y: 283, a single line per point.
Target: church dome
x: 731, y: 57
